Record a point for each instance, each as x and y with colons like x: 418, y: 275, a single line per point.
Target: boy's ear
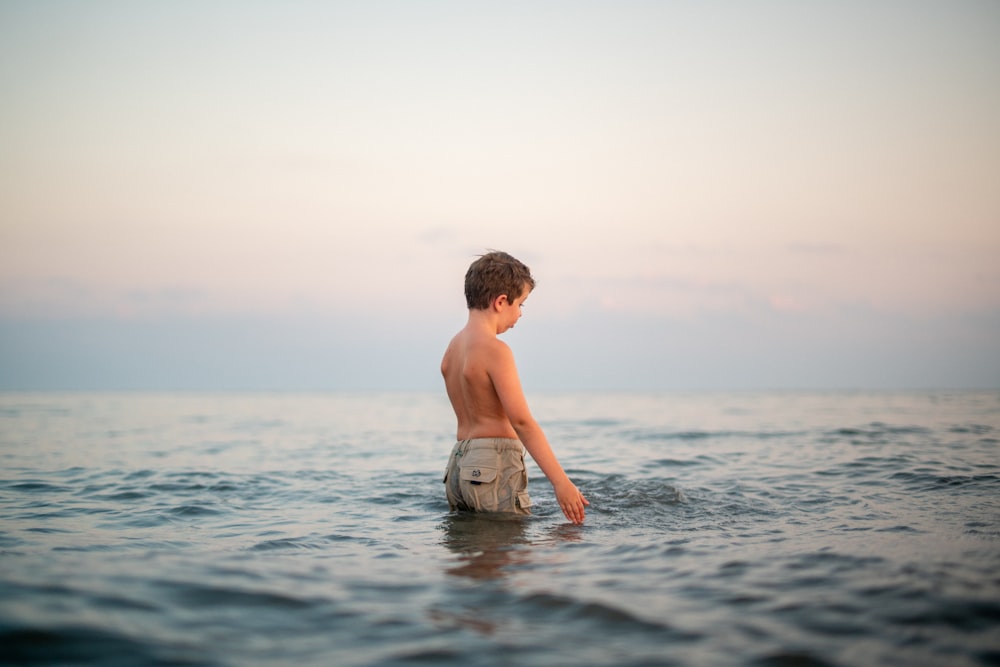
x: 500, y: 300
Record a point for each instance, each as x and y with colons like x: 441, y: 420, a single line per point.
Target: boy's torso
x: 466, y: 370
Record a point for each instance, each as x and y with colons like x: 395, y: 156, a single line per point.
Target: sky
x: 711, y: 195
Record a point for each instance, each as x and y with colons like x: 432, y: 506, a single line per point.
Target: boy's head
x: 494, y: 274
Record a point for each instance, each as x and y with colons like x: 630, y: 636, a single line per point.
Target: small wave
x: 974, y: 429
x: 871, y: 468
x: 64, y: 513
x: 193, y: 510
x: 873, y: 433
x: 552, y: 607
x: 929, y: 481
x: 695, y: 435
x: 284, y: 543
x: 197, y: 595
x: 356, y: 539
x: 37, y: 486
x: 701, y: 460
x: 145, y: 519
x: 90, y: 548
x: 48, y: 530
x: 900, y: 529
x: 124, y: 495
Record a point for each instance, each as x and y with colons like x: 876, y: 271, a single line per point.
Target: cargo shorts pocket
x: 477, y: 475
x: 478, y: 485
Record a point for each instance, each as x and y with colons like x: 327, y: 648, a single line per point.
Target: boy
x: 486, y: 469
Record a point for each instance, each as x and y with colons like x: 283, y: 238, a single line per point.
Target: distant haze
x: 286, y: 195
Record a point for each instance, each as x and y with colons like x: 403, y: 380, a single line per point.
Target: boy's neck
x: 485, y: 320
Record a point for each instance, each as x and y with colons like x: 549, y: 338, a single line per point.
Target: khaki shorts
x: 487, y: 475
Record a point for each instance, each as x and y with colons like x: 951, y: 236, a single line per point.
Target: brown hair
x: 494, y: 274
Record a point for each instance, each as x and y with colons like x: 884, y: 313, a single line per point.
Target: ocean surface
x: 277, y: 529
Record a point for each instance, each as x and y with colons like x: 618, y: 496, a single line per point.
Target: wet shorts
x: 488, y: 475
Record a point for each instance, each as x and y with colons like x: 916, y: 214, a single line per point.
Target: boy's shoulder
x: 483, y: 348
x: 470, y: 341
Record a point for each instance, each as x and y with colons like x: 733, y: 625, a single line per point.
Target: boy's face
x: 511, y: 312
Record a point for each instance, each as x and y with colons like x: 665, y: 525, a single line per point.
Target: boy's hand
x: 571, y: 501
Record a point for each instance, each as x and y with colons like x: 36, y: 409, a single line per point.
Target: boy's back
x: 466, y: 368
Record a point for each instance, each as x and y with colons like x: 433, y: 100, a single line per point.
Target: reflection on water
x: 486, y: 543
x: 489, y: 545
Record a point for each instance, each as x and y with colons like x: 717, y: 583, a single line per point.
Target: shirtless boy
x: 486, y: 469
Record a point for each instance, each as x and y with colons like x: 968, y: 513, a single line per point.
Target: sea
x: 724, y: 528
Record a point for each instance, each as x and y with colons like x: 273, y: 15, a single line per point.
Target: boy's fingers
x: 574, y: 509
x: 574, y: 512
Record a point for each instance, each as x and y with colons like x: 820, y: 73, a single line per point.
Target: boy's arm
x: 503, y: 373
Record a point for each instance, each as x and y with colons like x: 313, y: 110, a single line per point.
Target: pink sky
x: 679, y: 161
